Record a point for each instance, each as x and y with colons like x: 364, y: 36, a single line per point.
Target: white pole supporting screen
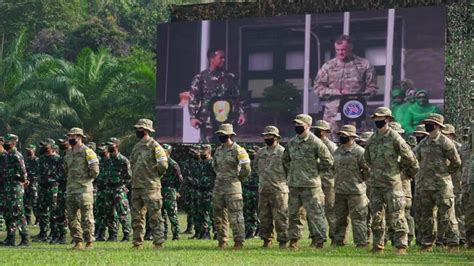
x: 307, y: 42
x: 347, y: 20
x: 389, y: 61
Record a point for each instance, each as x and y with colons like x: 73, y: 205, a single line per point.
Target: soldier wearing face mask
x: 272, y: 188
x: 439, y: 160
x: 304, y: 160
x: 31, y: 192
x: 322, y: 130
x: 385, y: 153
x: 232, y: 165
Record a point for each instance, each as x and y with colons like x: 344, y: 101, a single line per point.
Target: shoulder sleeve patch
x: 91, y: 157
x: 242, y: 156
x: 160, y: 154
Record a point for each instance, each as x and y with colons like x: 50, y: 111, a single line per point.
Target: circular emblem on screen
x: 221, y: 110
x: 353, y: 109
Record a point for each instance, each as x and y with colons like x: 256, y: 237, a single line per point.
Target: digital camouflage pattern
x: 172, y: 179
x: 204, y: 187
x: 189, y: 189
x: 31, y: 191
x: 102, y: 196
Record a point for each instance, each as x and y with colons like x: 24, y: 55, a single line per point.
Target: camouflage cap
x: 365, y: 136
x: 303, y: 119
x: 76, y: 131
x: 323, y: 125
x: 10, y: 137
x: 226, y: 129
x: 348, y: 130
x: 435, y: 118
x: 101, y: 148
x: 144, y: 123
x: 397, y: 127
x: 113, y: 141
x: 420, y: 129
x: 167, y: 147
x: 31, y: 147
x: 271, y: 130
x: 47, y: 141
x: 206, y: 147
x: 397, y: 92
x: 412, y: 141
x: 382, y: 112
x: 449, y: 129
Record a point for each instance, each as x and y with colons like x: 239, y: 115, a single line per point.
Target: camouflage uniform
x: 15, y: 177
x: 149, y: 162
x: 82, y: 167
x: 3, y: 172
x: 304, y: 159
x: 31, y: 191
x: 438, y: 159
x: 102, y: 200
x: 205, y: 87
x: 61, y: 215
x: 468, y: 188
x: 205, y: 184
x: 117, y: 204
x: 384, y: 154
x: 171, y: 180
x: 273, y: 191
x: 351, y: 173
x: 336, y: 78
x: 189, y: 191
x: 250, y: 198
x: 232, y: 166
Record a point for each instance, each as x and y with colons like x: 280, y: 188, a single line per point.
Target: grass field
x: 202, y: 252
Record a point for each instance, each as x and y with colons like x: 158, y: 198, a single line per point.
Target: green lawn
x: 201, y: 252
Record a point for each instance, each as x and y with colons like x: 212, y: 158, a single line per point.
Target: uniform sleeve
x: 321, y: 82
x: 177, y: 172
x: 451, y: 153
x: 244, y: 163
x: 364, y: 167
x: 21, y: 169
x: 367, y: 156
x: 127, y: 171
x: 371, y: 80
x: 285, y: 159
x: 92, y: 163
x: 195, y: 96
x: 408, y: 161
x: 326, y: 161
x: 161, y: 160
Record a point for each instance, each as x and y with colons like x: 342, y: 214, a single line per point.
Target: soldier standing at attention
x: 250, y: 195
x: 386, y: 153
x: 273, y: 189
x: 322, y: 130
x: 304, y: 159
x: 31, y: 192
x: 351, y: 173
x: 82, y: 167
x: 211, y: 90
x: 232, y: 165
x: 204, y: 189
x: 102, y: 196
x: 117, y: 204
x: 15, y: 181
x: 344, y: 75
x: 149, y: 163
x: 439, y: 160
x: 171, y: 180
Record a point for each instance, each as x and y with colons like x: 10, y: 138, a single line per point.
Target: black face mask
x: 7, y: 146
x: 111, y: 149
x: 223, y: 138
x: 343, y: 139
x: 72, y: 142
x: 380, y: 123
x: 429, y: 127
x: 140, y: 134
x: 203, y: 157
x: 317, y: 132
x: 44, y: 150
x: 299, y: 130
x: 270, y: 142
x: 419, y: 138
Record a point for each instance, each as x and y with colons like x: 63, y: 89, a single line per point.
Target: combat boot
x: 249, y: 234
x: 41, y: 237
x: 137, y: 246
x: 294, y: 244
x: 222, y: 245
x: 175, y: 236
x: 9, y: 241
x: 401, y: 251
x: 112, y: 237
x: 54, y: 238
x: 61, y: 239
x: 238, y: 245
x: 89, y: 245
x: 215, y: 235
x: 126, y: 237
x: 25, y: 242
x: 282, y: 244
x: 315, y: 244
x: 206, y: 236
x: 267, y: 243
x: 189, y: 229
x: 148, y: 235
x: 158, y: 246
x: 78, y: 246
x: 100, y: 235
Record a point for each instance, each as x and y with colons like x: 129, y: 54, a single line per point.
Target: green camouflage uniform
x: 31, y: 191
x: 468, y: 188
x: 206, y: 86
x: 232, y: 166
x: 438, y: 159
x: 336, y: 78
x: 149, y: 162
x: 15, y: 177
x: 116, y: 203
x: 189, y: 190
x: 61, y: 217
x: 351, y: 173
x: 205, y: 184
x: 103, y: 195
x: 327, y: 183
x: 304, y: 160
x: 81, y: 167
x: 170, y: 182
x: 3, y: 172
x: 250, y: 198
x: 385, y: 154
x: 273, y: 193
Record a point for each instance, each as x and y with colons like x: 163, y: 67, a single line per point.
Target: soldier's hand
x: 178, y: 195
x: 241, y: 119
x: 195, y: 122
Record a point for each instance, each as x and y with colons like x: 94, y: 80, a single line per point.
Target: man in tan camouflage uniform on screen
x: 343, y: 75
x: 273, y: 190
x: 304, y: 159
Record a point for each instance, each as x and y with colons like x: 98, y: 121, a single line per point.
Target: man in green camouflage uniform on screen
x: 439, y: 160
x: 250, y: 195
x: 117, y: 205
x: 15, y: 181
x: 205, y: 184
x: 31, y: 191
x: 305, y: 159
x: 386, y: 153
x: 170, y: 182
